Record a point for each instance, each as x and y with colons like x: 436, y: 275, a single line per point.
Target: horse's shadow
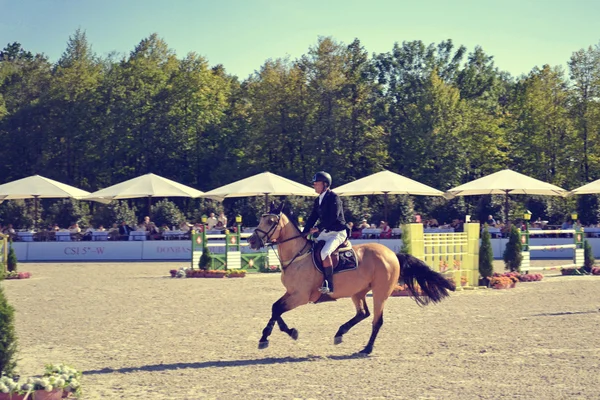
x: 221, y: 364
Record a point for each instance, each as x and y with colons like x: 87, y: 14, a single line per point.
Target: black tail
x: 434, y: 286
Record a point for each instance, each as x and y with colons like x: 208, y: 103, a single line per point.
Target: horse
x: 379, y: 270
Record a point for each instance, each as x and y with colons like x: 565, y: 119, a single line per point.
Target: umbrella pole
x: 35, y: 213
x: 385, y: 206
x: 149, y: 204
x: 506, y: 207
x: 266, y: 202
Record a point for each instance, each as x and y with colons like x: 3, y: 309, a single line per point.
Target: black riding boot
x: 328, y: 284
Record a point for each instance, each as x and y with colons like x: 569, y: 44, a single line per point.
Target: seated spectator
x: 219, y: 226
x: 433, y: 223
x: 363, y: 224
x: 101, y: 229
x: 211, y: 221
x: 164, y: 228
x: 491, y: 221
x: 75, y: 228
x: 386, y: 231
x: 222, y: 219
x: 125, y: 229
x: 566, y: 225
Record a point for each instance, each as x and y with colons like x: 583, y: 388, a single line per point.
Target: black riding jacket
x: 330, y: 214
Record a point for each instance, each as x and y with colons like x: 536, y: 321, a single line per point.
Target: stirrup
x: 325, y: 288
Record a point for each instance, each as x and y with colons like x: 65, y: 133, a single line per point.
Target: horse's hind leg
x: 378, y: 303
x: 362, y: 312
x: 286, y: 303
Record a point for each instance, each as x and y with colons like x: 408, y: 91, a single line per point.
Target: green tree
x: 486, y: 254
x: 512, y: 253
x: 8, y: 337
x: 589, y: 256
x: 205, y: 262
x: 68, y: 212
x: 166, y: 212
x: 11, y: 259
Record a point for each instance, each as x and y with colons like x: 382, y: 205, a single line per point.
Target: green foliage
x: 589, y: 256
x: 68, y: 212
x: 166, y: 212
x: 205, y: 261
x: 114, y: 213
x: 8, y: 337
x: 486, y: 254
x: 512, y: 253
x: 17, y: 213
x: 11, y: 259
x: 405, y: 249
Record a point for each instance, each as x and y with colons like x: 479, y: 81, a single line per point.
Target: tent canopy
x: 386, y: 182
x: 265, y: 183
x: 37, y: 186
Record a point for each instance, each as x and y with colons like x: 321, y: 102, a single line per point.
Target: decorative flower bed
x: 402, y: 290
x: 270, y: 268
x: 573, y: 271
x: 59, y: 381
x: 595, y: 270
x: 200, y: 273
x: 17, y: 275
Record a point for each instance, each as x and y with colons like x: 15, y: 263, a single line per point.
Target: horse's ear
x: 280, y: 208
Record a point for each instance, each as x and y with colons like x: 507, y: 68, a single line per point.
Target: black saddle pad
x: 347, y: 259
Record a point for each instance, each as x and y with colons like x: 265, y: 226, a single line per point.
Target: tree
x: 205, y: 262
x: 11, y: 259
x: 8, y: 337
x: 166, y: 213
x: 486, y: 254
x: 512, y: 253
x: 589, y: 256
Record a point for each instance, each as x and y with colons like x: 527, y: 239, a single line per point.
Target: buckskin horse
x: 379, y: 270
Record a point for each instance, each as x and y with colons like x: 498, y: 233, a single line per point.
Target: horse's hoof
x: 366, y: 351
x: 337, y: 340
x: 263, y: 345
x: 294, y: 333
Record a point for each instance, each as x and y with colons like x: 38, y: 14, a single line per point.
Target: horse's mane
x: 287, y: 211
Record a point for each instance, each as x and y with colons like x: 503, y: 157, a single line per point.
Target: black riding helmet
x: 322, y: 176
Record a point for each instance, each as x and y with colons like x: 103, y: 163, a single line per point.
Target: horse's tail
x: 433, y: 285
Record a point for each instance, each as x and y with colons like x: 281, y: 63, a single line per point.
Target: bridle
x: 266, y: 240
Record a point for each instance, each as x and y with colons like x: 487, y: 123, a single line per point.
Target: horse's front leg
x: 286, y: 303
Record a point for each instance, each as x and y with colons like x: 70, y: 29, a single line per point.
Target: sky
x: 242, y: 35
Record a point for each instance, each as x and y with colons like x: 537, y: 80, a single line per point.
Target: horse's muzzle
x: 254, y: 241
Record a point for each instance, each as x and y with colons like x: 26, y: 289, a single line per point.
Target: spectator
x: 75, y: 228
x: 386, y: 231
x: 222, y: 219
x: 211, y: 221
x: 125, y: 229
x: 491, y: 221
x: 363, y: 224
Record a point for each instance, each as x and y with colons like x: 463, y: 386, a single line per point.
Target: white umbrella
x: 265, y: 184
x: 386, y: 182
x: 149, y: 185
x: 38, y: 187
x: 506, y: 182
x: 590, y: 188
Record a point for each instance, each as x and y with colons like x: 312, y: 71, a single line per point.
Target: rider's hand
x: 314, y: 230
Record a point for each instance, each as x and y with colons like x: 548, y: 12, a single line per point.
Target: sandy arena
x: 138, y: 334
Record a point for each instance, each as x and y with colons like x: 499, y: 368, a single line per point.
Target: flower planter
x: 55, y: 394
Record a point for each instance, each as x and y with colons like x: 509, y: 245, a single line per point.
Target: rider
x: 328, y: 210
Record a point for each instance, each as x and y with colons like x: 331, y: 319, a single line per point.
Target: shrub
x: 114, y: 213
x: 405, y: 249
x: 8, y: 338
x: 67, y: 212
x: 205, y: 259
x: 512, y: 253
x: 166, y: 212
x: 589, y: 256
x: 15, y: 212
x: 486, y: 254
x: 12, y: 259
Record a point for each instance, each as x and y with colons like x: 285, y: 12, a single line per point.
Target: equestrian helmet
x: 322, y: 176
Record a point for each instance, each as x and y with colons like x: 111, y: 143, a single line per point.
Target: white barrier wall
x: 156, y: 250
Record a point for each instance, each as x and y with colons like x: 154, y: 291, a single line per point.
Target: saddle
x: 343, y: 258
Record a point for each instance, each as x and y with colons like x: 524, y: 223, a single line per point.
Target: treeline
x: 438, y: 113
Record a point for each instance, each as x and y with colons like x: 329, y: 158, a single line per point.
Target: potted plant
x: 69, y: 375
x: 9, y: 389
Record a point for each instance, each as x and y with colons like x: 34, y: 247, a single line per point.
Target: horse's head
x: 268, y: 230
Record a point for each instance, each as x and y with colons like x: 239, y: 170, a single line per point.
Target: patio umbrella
x: 266, y: 184
x: 149, y: 185
x: 506, y: 182
x: 38, y: 187
x: 386, y: 182
x: 590, y: 188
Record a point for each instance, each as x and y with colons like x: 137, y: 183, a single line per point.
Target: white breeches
x: 332, y: 241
